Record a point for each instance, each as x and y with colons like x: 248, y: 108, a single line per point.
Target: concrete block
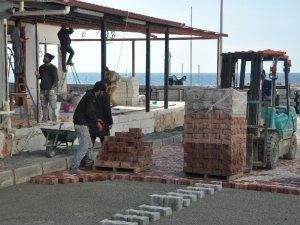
x: 153, y: 216
x: 23, y: 174
x: 141, y: 220
x: 175, y: 202
x: 191, y: 197
x: 116, y: 222
x: 163, y: 211
x: 217, y: 187
x: 6, y: 178
x: 207, y: 190
x: 200, y: 194
x: 53, y: 166
x: 186, y: 202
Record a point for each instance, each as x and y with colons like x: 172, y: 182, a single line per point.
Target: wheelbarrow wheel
x: 50, y: 151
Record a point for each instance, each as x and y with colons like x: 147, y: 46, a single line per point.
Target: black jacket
x: 85, y: 112
x: 64, y: 36
x: 48, y: 76
x: 104, y: 113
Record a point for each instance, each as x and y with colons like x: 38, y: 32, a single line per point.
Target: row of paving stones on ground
x: 162, y: 205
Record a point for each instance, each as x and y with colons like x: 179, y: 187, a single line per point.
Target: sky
x: 250, y: 25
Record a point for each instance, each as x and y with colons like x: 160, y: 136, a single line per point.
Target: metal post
x: 37, y: 68
x: 220, y: 46
x: 148, y: 90
x: 133, y: 58
x: 166, y: 69
x: 103, y: 48
x: 191, y: 51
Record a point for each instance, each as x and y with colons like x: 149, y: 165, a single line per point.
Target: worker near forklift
x: 266, y: 87
x: 85, y: 119
x: 65, y: 46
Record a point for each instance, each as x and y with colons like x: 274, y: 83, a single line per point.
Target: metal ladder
x: 64, y: 76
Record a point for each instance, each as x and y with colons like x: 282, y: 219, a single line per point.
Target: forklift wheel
x: 293, y: 148
x: 50, y: 151
x: 272, y: 150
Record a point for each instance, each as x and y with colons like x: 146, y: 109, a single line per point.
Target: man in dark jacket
x: 103, y: 113
x: 65, y: 46
x: 49, y: 79
x: 85, y: 118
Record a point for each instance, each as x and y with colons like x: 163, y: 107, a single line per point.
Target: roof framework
x: 80, y: 18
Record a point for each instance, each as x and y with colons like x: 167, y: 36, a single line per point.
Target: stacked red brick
x: 125, y: 150
x: 214, y: 132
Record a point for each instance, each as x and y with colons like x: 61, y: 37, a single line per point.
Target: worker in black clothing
x: 104, y: 113
x: 266, y: 87
x: 65, y: 46
x: 85, y: 119
x: 48, y: 75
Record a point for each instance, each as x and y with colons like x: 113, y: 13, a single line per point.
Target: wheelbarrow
x: 56, y: 138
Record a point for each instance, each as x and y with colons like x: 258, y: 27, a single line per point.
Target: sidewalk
x: 20, y: 168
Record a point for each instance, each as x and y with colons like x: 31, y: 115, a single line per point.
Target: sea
x: 157, y: 79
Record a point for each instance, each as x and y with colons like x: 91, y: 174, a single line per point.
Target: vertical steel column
x: 287, y: 86
x: 166, y: 98
x: 37, y: 68
x: 148, y: 90
x: 103, y: 48
x: 133, y: 58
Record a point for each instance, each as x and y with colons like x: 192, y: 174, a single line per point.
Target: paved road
x: 89, y: 203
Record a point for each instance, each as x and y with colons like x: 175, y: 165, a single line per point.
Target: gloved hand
x: 100, y: 124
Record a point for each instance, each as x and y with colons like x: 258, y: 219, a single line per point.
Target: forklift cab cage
x: 263, y: 122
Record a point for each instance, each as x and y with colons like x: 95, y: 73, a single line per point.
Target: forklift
x: 271, y: 126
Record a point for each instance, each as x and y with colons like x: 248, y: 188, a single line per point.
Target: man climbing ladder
x: 65, y: 42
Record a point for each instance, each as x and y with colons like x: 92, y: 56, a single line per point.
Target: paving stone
x: 191, y: 197
x: 208, y: 191
x: 200, y: 194
x: 217, y: 187
x: 141, y: 220
x: 186, y: 202
x: 163, y: 211
x: 6, y: 178
x: 176, y: 203
x: 116, y: 222
x: 153, y: 216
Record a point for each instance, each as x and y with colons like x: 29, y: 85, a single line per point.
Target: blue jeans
x: 18, y: 58
x: 45, y: 100
x: 85, y: 147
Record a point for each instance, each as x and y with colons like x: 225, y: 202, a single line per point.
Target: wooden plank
x: 215, y: 177
x: 122, y: 169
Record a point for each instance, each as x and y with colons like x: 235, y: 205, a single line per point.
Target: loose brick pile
x: 214, y: 138
x: 125, y: 150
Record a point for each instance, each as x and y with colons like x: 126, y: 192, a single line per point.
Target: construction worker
x: 113, y: 77
x: 48, y: 75
x: 17, y: 42
x: 65, y: 46
x: 85, y: 119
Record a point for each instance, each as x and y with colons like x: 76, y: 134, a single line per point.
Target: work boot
x: 76, y: 171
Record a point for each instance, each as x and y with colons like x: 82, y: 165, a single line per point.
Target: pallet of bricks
x: 125, y: 152
x: 215, y: 133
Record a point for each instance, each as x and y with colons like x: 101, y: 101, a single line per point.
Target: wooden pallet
x: 214, y: 177
x: 122, y: 169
